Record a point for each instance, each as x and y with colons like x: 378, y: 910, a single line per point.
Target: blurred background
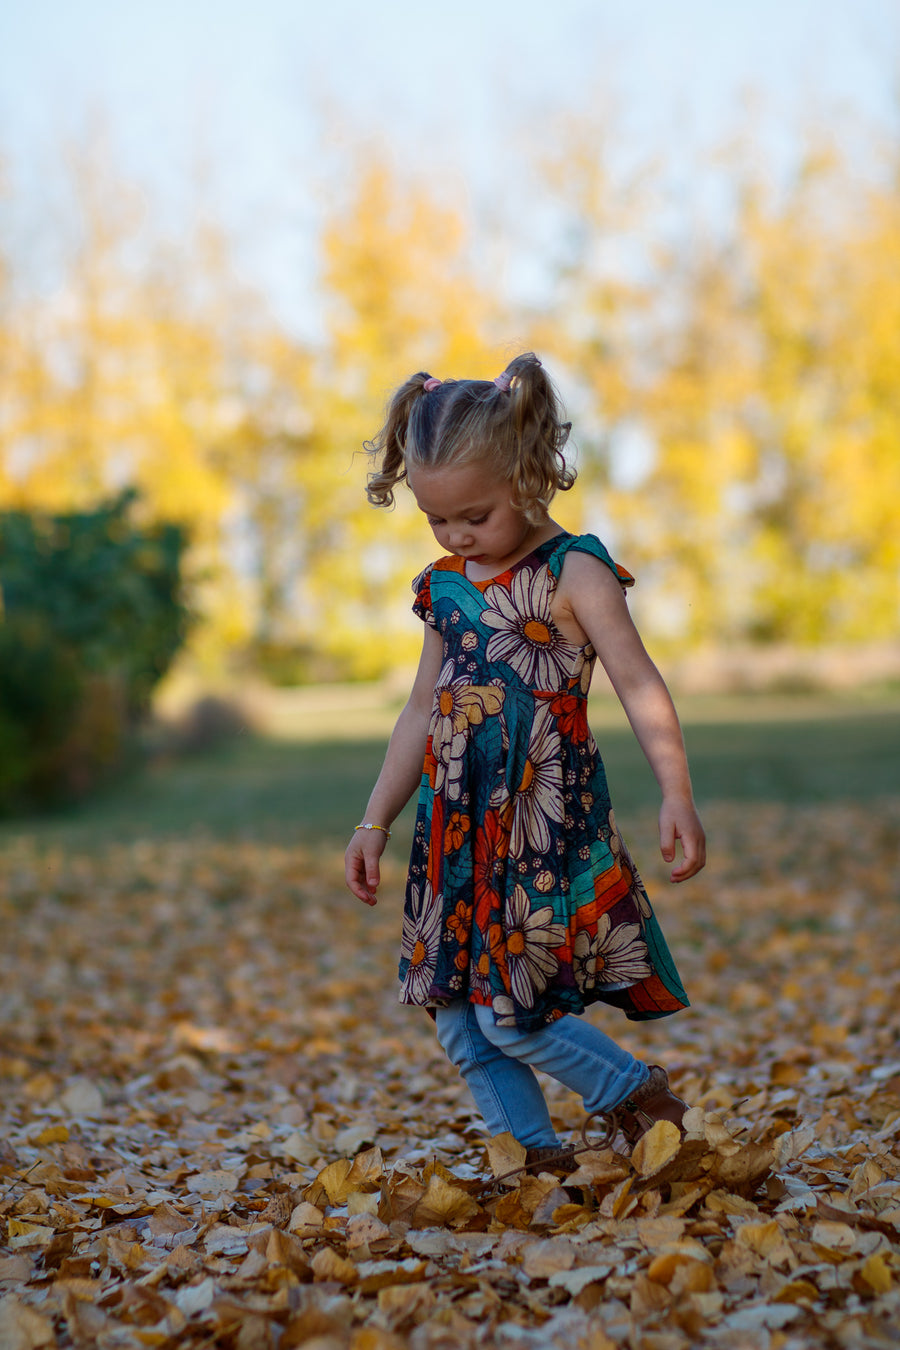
x: 228, y: 232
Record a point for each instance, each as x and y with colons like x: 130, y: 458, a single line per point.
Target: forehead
x: 454, y: 490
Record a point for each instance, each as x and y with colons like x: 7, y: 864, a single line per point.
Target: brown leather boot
x: 549, y: 1158
x: 637, y: 1113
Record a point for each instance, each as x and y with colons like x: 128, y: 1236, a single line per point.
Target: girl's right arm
x: 399, y: 777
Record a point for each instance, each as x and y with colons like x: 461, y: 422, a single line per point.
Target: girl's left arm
x: 589, y: 594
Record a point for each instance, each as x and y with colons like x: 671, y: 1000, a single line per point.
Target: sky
x: 253, y: 100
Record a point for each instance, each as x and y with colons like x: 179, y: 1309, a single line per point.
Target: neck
x: 539, y: 534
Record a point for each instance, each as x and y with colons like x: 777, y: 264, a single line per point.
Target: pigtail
x: 540, y: 434
x: 514, y: 423
x: 389, y: 446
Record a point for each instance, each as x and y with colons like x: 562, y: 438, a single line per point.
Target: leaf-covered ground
x: 218, y: 1127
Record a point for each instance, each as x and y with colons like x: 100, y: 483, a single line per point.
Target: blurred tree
x: 403, y: 295
x: 772, y: 507
x: 755, y: 367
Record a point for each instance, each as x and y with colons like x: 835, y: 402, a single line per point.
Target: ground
x: 219, y: 1127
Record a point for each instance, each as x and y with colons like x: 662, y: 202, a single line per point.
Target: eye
x: 434, y: 520
x: 479, y: 521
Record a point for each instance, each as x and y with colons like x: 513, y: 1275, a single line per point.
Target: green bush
x: 92, y: 616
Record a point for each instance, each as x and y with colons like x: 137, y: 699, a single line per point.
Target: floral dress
x: 521, y: 894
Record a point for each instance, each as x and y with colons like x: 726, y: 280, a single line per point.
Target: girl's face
x: 471, y: 515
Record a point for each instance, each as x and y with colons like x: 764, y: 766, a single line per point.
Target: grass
x: 311, y: 789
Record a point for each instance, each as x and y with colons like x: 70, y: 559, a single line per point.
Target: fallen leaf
x: 505, y: 1154
x: 443, y: 1203
x: 328, y: 1265
x: 655, y: 1148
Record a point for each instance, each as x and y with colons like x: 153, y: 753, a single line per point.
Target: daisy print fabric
x: 522, y: 895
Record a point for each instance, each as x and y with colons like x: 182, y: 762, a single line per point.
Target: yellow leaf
x: 874, y: 1275
x: 327, y: 1265
x: 373, y: 1338
x: 761, y: 1238
x: 796, y: 1291
x: 505, y: 1154
x: 24, y: 1234
x: 443, y: 1203
x: 367, y: 1169
x: 54, y: 1134
x: 335, y: 1181
x: 657, y: 1147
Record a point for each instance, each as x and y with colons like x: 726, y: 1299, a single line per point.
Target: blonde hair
x: 514, y: 425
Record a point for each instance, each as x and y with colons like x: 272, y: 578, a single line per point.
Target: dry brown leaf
x: 22, y: 1328
x: 364, y: 1229
x: 375, y: 1275
x: 765, y: 1240
x: 403, y: 1304
x: 373, y: 1338
x: 335, y: 1181
x: 505, y: 1154
x: 443, y: 1203
x: 655, y: 1148
x: 22, y: 1233
x: 400, y: 1196
x: 118, y: 1197
x: 328, y: 1265
x: 284, y: 1250
x: 367, y: 1170
x: 540, y: 1260
x: 874, y: 1276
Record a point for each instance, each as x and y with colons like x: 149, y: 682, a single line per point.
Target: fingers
x: 667, y: 836
x: 693, y: 848
x: 681, y: 824
x: 362, y: 873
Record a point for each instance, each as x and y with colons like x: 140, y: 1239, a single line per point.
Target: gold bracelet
x: 367, y: 826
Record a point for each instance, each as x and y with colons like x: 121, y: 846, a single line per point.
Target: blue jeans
x: 498, y: 1065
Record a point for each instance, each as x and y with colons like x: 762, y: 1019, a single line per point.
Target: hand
x: 361, y: 868
x: 678, y: 820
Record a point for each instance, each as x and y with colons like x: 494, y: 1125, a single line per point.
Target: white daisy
x: 526, y: 638
x: 420, y: 943
x: 539, y: 798
x: 529, y: 934
x: 504, y: 1011
x: 619, y: 954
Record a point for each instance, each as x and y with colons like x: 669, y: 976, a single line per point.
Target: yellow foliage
x: 762, y: 369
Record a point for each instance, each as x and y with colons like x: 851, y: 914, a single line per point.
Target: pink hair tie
x: 431, y: 383
x: 503, y: 382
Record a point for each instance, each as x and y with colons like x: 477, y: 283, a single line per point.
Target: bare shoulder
x: 589, y: 599
x: 585, y: 577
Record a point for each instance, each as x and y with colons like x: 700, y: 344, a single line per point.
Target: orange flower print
x: 497, y: 945
x: 457, y: 828
x: 571, y: 717
x: 480, y: 976
x: 460, y: 921
x: 491, y: 847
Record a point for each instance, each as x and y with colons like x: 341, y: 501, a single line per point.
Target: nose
x: 460, y: 538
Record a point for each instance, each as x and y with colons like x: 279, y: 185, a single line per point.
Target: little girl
x: 523, y: 905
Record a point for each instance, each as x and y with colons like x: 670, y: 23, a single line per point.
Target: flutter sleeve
x: 588, y: 543
x: 422, y: 591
